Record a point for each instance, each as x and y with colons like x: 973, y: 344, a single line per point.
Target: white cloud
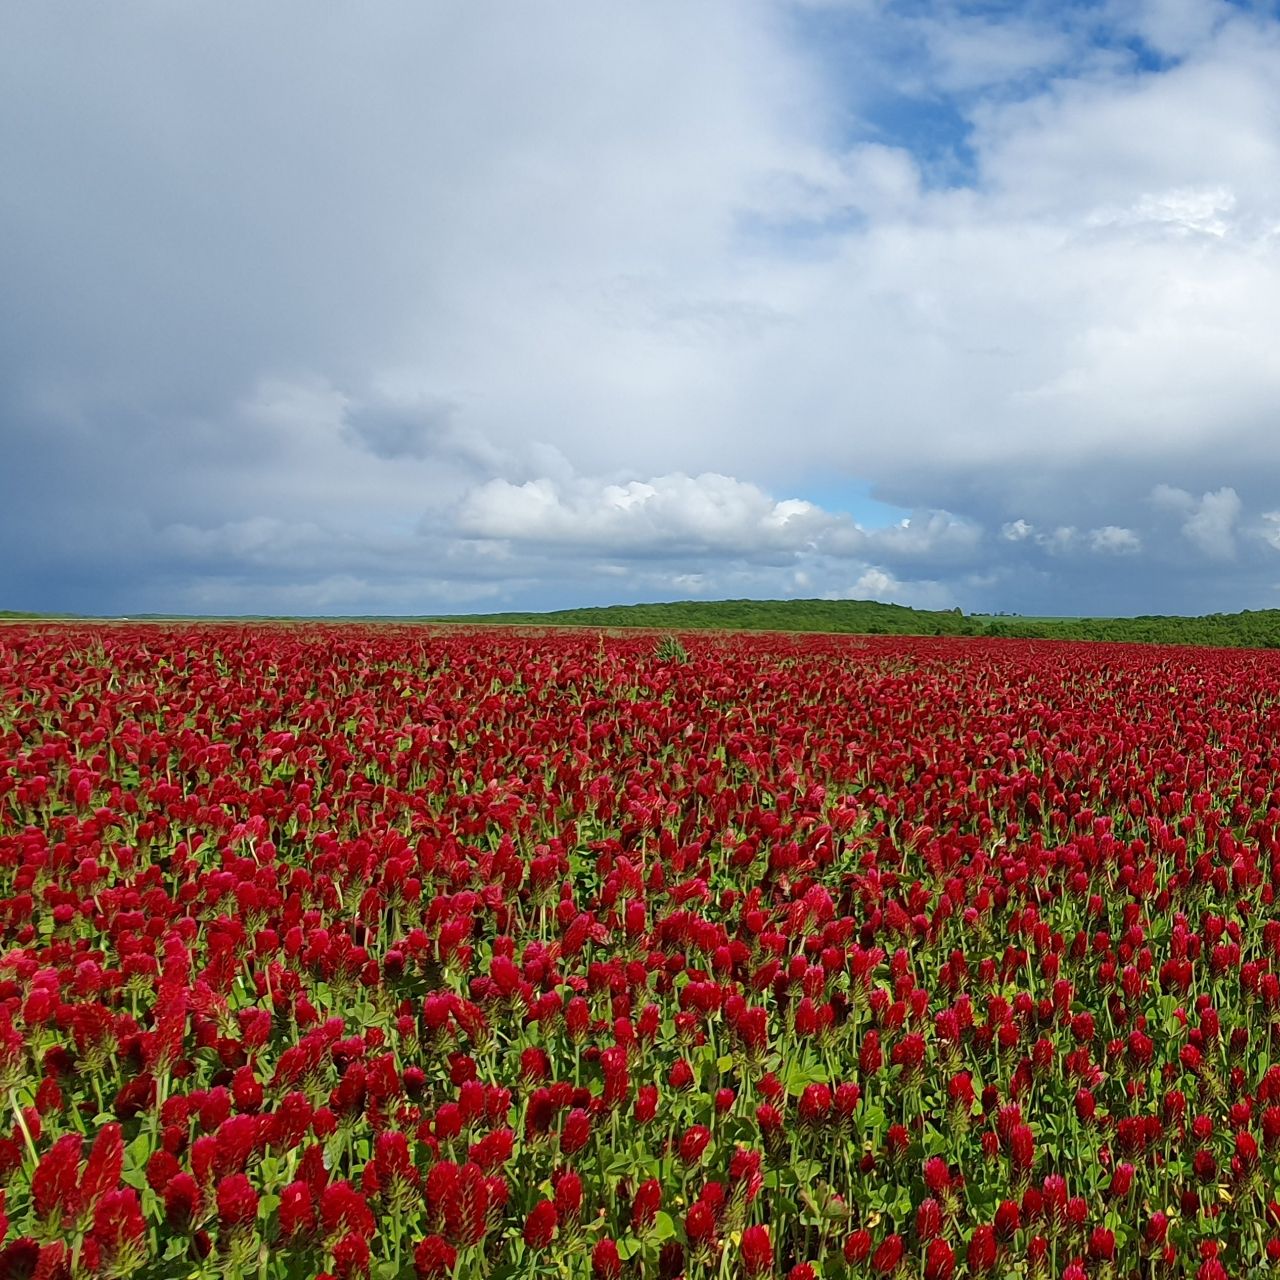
x: 1115, y: 540
x: 1058, y: 541
x: 1170, y: 498
x: 1213, y: 526
x: 1270, y: 529
x: 1172, y: 27
x: 709, y: 512
x: 928, y: 535
x: 1189, y: 210
x: 877, y: 584
x: 1016, y: 531
x: 1208, y: 523
x: 973, y: 51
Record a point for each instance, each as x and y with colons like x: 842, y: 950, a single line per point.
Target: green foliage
x: 1251, y: 629
x: 1258, y: 629
x: 670, y: 649
x: 859, y: 617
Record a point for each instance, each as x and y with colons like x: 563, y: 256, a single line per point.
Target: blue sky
x: 472, y: 305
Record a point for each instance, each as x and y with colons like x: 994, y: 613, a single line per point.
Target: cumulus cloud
x: 1212, y: 527
x: 716, y: 517
x: 1115, y: 540
x: 877, y: 584
x: 1209, y: 522
x: 1270, y: 528
x: 710, y: 512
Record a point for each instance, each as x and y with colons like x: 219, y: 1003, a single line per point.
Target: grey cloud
x: 402, y: 432
x: 1115, y: 540
x: 420, y: 301
x: 1212, y: 527
x: 1207, y: 523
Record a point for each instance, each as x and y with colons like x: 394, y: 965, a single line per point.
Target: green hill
x: 1249, y: 629
x: 1254, y: 629
x: 863, y: 617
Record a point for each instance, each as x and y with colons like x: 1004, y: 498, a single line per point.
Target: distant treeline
x: 1254, y: 629
x: 861, y: 617
x: 1250, y: 629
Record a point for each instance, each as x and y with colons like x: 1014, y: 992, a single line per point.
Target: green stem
x: 22, y: 1124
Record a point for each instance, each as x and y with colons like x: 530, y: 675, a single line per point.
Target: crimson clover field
x: 387, y: 951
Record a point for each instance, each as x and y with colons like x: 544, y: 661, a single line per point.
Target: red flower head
x: 351, y: 1256
x: 746, y: 1174
x: 700, y: 1223
x: 575, y: 1132
x: 1122, y: 1180
x: 120, y: 1230
x: 888, y: 1257
x: 617, y: 1079
x: 937, y: 1175
x: 1156, y: 1230
x: 606, y: 1262
x: 646, y: 1103
x: 1008, y: 1220
x: 896, y: 1142
x: 577, y: 1019
x: 939, y: 1261
x: 237, y: 1201
x: 182, y: 1201
x: 568, y: 1198
x: 1271, y: 1129
x: 343, y: 1209
x: 540, y: 1225
x: 815, y: 1105
x: 981, y: 1254
x: 694, y: 1142
x: 434, y: 1259
x: 535, y: 1065
x: 847, y: 1097
x: 103, y: 1168
x: 466, y: 1203
x: 55, y: 1183
x: 645, y: 1205
x: 1022, y: 1150
x: 757, y: 1250
x: 908, y: 1055
x: 1204, y: 1165
x: 857, y: 1247
x: 928, y: 1219
x: 1102, y: 1245
x: 870, y: 1058
x: 297, y: 1212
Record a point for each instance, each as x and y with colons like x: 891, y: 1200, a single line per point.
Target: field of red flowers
x: 379, y: 951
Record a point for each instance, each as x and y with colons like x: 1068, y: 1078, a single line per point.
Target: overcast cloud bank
x: 474, y: 305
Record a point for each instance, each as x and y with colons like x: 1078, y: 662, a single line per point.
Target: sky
x: 466, y: 305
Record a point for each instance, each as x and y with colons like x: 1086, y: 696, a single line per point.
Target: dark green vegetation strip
x: 1258, y: 629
